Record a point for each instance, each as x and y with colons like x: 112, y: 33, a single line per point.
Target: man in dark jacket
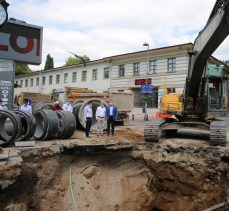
x: 111, y: 114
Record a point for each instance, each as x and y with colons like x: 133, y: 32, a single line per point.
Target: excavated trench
x: 148, y: 177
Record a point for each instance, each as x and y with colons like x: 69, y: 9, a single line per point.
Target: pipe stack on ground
x: 45, y: 124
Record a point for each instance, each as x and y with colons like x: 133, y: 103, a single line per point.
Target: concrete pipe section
x: 95, y: 103
x: 28, y: 124
x: 47, y: 124
x: 67, y: 124
x: 9, y: 119
x: 76, y: 108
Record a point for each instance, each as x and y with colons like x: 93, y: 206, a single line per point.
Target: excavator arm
x: 208, y: 40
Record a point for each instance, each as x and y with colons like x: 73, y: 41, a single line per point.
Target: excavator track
x: 218, y: 133
x: 152, y: 130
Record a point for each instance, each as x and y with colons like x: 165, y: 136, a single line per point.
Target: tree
x: 22, y: 69
x: 49, y: 64
x: 71, y: 60
x: 226, y: 61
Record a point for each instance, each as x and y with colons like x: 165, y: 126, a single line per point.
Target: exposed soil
x: 173, y: 175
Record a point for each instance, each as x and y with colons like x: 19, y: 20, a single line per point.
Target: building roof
x: 184, y: 46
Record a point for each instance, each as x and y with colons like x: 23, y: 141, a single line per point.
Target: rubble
x: 127, y: 174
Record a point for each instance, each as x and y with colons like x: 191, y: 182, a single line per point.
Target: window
x: 122, y: 70
x: 74, y: 77
x: 21, y: 83
x: 171, y: 64
x: 94, y: 74
x: 152, y: 66
x: 171, y: 90
x: 84, y: 75
x: 50, y: 80
x: 137, y: 68
x: 37, y: 81
x: 106, y: 73
x: 65, y: 77
x: 57, y: 79
x: 31, y: 82
x: 26, y: 82
x: 43, y: 80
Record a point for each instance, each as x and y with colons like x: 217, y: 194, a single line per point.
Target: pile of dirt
x: 165, y: 177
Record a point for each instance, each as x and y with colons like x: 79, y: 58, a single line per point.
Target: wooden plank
x: 4, y: 154
x: 25, y: 143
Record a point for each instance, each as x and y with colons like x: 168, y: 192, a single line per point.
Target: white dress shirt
x: 2, y: 107
x: 25, y: 107
x: 111, y: 110
x: 100, y: 112
x: 87, y: 112
x: 67, y: 107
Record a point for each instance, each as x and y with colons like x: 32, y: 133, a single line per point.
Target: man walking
x: 88, y: 118
x: 111, y: 114
x: 100, y: 117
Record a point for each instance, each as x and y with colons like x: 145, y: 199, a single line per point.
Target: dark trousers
x: 88, y: 125
x: 110, y: 123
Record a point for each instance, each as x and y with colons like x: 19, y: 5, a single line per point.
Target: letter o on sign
x: 29, y: 46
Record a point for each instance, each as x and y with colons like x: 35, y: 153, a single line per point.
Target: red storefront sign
x: 21, y: 42
x: 142, y: 81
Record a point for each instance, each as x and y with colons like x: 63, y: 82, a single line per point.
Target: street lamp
x: 146, y: 84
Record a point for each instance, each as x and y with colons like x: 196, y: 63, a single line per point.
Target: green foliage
x: 226, y: 61
x: 146, y: 98
x: 76, y: 60
x: 49, y: 64
x: 22, y: 69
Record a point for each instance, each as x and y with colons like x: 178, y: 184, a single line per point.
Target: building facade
x: 163, y: 68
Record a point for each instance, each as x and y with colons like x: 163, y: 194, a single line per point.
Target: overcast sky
x: 101, y: 28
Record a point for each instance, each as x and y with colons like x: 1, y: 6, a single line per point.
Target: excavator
x: 203, y: 107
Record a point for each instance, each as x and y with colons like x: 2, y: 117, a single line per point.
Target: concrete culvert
x: 28, y: 123
x: 76, y: 102
x: 76, y: 108
x: 10, y: 127
x: 47, y: 124
x: 42, y: 105
x: 95, y: 103
x: 67, y: 124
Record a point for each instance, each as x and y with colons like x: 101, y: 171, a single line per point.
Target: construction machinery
x: 199, y: 110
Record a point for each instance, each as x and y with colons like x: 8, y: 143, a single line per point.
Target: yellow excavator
x: 204, y: 103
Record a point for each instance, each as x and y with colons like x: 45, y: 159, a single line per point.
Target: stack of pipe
x: 44, y: 124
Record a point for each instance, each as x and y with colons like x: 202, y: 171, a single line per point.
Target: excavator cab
x: 217, y: 96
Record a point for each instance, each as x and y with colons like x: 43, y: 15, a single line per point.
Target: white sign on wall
x: 6, y: 82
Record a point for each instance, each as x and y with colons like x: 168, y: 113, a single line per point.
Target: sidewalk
x: 138, y: 115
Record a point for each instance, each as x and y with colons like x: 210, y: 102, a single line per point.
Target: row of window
x: 74, y: 78
x: 171, y: 64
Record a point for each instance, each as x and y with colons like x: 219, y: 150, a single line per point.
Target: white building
x: 167, y: 68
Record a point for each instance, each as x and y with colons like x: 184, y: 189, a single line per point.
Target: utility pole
x: 146, y: 78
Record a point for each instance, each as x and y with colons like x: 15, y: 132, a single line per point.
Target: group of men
x: 66, y: 106
x: 26, y: 106
x: 102, y: 114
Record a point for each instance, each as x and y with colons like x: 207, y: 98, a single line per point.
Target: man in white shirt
x: 67, y: 107
x: 88, y: 118
x: 2, y: 107
x: 25, y: 106
x: 100, y: 117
